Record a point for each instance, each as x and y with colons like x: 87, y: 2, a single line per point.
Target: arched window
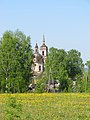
x: 42, y: 52
x: 39, y: 68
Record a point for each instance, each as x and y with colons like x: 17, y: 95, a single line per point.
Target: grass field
x: 49, y: 106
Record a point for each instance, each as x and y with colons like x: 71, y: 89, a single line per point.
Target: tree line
x: 16, y: 56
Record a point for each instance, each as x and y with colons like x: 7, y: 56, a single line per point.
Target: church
x: 39, y: 58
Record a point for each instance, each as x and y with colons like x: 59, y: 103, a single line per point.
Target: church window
x: 39, y: 68
x: 42, y: 52
x: 34, y: 60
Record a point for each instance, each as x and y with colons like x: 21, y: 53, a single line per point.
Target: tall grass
x: 47, y: 106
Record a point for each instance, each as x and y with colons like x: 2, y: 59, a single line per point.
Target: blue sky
x: 65, y: 23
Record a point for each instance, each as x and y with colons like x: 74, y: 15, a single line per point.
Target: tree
x: 87, y: 76
x: 56, y: 61
x: 88, y: 64
x: 15, y: 61
x: 74, y: 64
x: 65, y: 66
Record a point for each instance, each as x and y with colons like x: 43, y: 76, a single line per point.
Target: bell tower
x: 36, y: 49
x: 44, y: 49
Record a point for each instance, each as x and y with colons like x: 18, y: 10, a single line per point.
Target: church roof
x: 43, y: 43
x: 38, y: 57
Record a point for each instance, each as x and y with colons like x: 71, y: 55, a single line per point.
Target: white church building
x: 39, y: 58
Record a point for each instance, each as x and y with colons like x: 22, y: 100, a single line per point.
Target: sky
x: 64, y: 23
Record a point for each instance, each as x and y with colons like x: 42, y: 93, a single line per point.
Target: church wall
x: 38, y: 66
x: 45, y: 54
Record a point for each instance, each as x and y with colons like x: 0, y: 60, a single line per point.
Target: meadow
x: 50, y: 106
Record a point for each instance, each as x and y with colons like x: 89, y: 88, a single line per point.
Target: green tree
x: 56, y: 61
x: 74, y: 64
x: 88, y: 64
x: 15, y: 61
x: 87, y: 70
x: 87, y: 76
x: 65, y: 66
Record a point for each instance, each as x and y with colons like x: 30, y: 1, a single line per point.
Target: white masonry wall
x: 37, y: 67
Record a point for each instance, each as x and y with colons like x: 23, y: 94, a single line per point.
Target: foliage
x: 13, y: 109
x: 41, y: 85
x: 87, y: 76
x: 64, y: 66
x: 56, y: 62
x: 15, y: 62
x: 74, y: 64
x: 88, y: 64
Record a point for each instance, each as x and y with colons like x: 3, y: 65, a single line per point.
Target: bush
x: 39, y: 87
x: 13, y: 109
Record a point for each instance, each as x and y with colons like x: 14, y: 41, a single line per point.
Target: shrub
x: 13, y: 109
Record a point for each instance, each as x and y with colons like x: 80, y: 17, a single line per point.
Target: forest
x: 64, y: 67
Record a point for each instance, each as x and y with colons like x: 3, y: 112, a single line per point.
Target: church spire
x: 43, y: 40
x: 36, y: 48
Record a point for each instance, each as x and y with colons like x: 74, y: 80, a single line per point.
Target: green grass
x: 62, y: 106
